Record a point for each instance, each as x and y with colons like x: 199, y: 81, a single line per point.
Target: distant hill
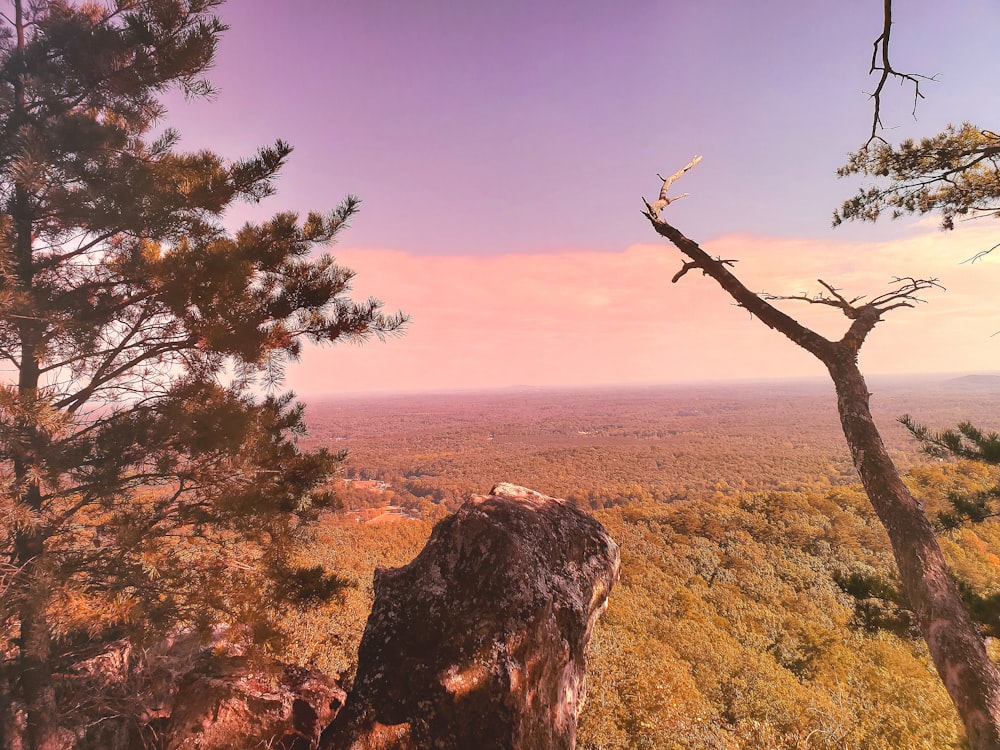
x: 977, y: 382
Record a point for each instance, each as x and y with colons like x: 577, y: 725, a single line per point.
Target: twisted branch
x: 863, y: 317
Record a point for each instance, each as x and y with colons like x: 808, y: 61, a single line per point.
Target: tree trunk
x: 34, y: 662
x: 955, y: 644
x: 9, y: 734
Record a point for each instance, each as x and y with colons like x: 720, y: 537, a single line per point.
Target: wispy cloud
x: 589, y: 318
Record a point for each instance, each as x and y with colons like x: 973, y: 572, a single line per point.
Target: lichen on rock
x: 481, y: 641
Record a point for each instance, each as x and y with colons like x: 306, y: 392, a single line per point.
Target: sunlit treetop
x: 955, y: 173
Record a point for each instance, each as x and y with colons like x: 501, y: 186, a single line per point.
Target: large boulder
x: 481, y: 641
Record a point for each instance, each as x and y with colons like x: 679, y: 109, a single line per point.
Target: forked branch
x: 831, y: 297
x: 689, y: 264
x: 981, y: 254
x: 904, y: 294
x: 663, y: 201
x: 881, y: 64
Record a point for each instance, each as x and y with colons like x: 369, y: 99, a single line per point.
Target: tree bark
x: 956, y: 647
x: 955, y: 644
x: 33, y: 665
x: 34, y: 668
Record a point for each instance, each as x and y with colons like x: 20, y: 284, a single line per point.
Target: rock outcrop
x: 481, y: 641
x: 233, y: 707
x: 175, y: 697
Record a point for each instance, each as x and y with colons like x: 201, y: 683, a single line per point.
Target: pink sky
x: 592, y: 318
x: 500, y: 150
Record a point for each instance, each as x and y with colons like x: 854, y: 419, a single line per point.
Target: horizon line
x: 621, y: 386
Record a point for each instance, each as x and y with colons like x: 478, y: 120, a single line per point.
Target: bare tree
x: 956, y: 646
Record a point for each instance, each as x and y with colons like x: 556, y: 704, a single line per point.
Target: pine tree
x: 955, y: 173
x: 142, y: 478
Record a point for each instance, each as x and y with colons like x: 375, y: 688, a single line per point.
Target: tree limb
x: 688, y: 265
x: 981, y: 254
x: 864, y: 317
x: 881, y: 49
x: 663, y: 201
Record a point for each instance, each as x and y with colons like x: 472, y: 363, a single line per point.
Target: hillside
x: 758, y: 605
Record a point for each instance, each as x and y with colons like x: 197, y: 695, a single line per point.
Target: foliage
x: 730, y: 627
x: 744, y: 639
x: 956, y: 173
x: 956, y: 645
x: 719, y: 584
x: 326, y: 636
x: 968, y: 443
x: 601, y: 449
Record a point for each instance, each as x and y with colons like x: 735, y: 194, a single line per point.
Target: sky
x: 501, y: 149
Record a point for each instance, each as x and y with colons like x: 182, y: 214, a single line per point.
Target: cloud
x: 592, y: 318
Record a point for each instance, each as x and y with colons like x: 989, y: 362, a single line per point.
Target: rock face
x: 234, y: 708
x: 481, y: 641
x: 207, y: 701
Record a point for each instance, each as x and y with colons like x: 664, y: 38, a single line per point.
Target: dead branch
x: 663, y: 200
x: 864, y: 316
x: 831, y: 297
x: 881, y: 48
x: 981, y: 254
x: 904, y: 295
x: 689, y: 264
